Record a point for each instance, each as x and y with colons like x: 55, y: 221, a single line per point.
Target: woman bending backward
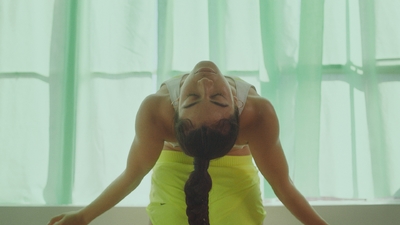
x: 200, y: 132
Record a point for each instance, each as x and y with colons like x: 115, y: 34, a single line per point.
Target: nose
x: 206, y: 85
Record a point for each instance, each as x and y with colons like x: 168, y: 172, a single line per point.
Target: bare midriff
x: 237, y: 150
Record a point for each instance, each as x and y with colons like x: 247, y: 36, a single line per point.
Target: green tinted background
x: 74, y: 72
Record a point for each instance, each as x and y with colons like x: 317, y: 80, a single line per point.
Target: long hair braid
x: 203, y: 144
x: 196, y: 189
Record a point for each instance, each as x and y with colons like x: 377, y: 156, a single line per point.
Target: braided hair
x: 203, y: 144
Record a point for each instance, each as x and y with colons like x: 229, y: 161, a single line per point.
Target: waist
x: 168, y: 156
x: 237, y: 150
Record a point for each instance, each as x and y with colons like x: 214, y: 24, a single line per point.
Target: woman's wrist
x: 83, y: 216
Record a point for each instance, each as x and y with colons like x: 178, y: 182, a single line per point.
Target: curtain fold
x: 25, y: 36
x: 73, y: 75
x: 308, y: 98
x: 373, y: 97
x: 62, y: 103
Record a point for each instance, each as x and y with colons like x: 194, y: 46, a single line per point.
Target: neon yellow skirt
x: 235, y: 197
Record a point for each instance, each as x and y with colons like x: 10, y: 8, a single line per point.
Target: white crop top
x: 242, y: 89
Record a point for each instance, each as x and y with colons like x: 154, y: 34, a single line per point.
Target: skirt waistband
x: 227, y: 160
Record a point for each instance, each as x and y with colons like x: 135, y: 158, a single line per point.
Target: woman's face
x: 206, y: 96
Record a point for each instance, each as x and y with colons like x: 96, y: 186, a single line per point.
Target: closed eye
x: 219, y: 104
x: 212, y: 101
x: 218, y: 94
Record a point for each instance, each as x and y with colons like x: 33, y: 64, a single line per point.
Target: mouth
x: 205, y: 70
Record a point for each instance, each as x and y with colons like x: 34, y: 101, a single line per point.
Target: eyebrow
x: 214, y: 102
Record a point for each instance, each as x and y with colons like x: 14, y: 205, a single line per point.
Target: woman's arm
x: 263, y: 138
x: 144, y: 152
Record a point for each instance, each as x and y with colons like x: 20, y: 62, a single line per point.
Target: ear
x: 175, y: 103
x: 238, y: 102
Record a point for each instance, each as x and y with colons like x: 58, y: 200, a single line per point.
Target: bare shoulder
x: 150, y: 103
x: 155, y: 113
x: 151, y: 130
x: 257, y: 117
x: 257, y: 109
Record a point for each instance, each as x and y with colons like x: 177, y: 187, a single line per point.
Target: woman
x: 214, y: 126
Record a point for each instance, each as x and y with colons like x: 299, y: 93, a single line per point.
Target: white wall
x: 276, y: 215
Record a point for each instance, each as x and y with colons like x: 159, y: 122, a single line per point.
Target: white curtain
x: 74, y: 72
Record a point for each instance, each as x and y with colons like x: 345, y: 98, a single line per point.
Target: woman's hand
x: 71, y: 218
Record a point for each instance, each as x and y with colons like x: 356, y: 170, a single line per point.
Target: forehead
x: 200, y: 116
